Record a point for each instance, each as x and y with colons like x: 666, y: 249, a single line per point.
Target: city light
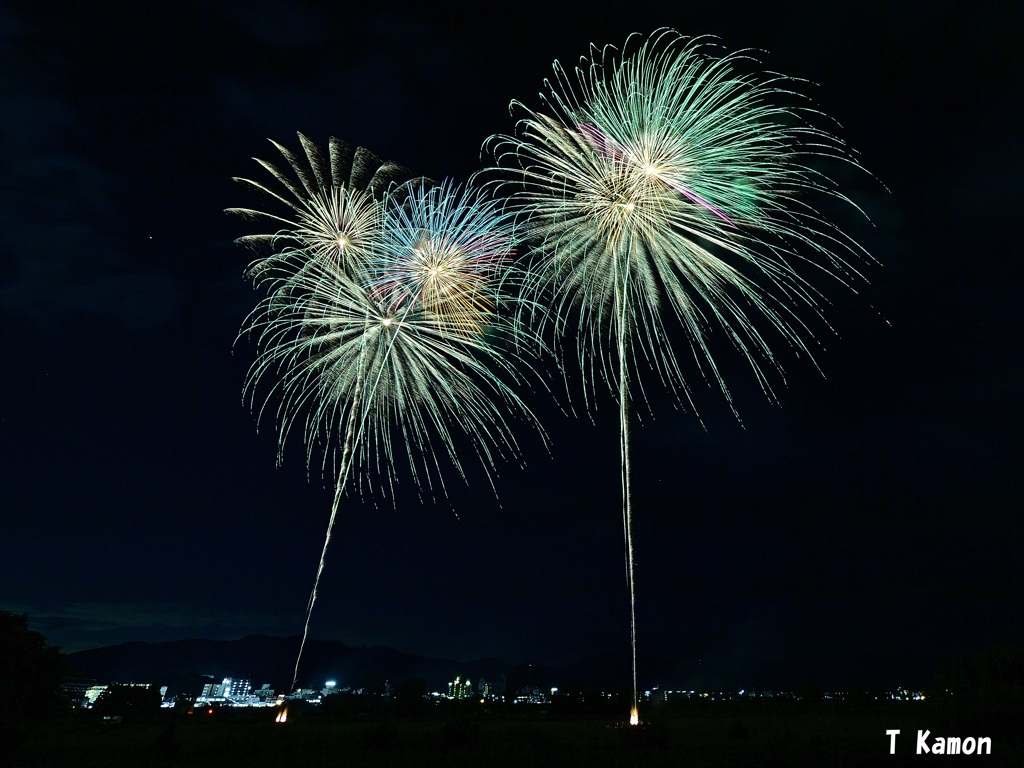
x: 239, y: 692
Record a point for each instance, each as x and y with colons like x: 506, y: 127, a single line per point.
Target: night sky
x: 867, y: 529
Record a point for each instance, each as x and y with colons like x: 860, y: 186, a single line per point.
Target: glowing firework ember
x: 665, y: 174
x: 634, y: 716
x: 381, y: 324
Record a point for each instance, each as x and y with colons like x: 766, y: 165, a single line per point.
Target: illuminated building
x: 228, y: 688
x: 460, y: 689
x: 238, y: 688
x: 92, y: 694
x: 491, y: 689
x: 75, y: 689
x: 266, y: 693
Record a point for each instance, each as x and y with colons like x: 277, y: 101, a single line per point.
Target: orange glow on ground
x: 634, y: 717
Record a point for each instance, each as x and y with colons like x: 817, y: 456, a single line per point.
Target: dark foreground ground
x: 729, y: 734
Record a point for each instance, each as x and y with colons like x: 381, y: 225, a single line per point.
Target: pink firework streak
x: 606, y: 146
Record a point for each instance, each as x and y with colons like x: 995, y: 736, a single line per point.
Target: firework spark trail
x: 348, y: 443
x: 666, y: 174
x: 339, y: 489
x: 351, y: 336
x: 626, y: 464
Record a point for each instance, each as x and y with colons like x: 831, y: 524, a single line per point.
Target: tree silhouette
x: 30, y: 673
x: 129, y: 701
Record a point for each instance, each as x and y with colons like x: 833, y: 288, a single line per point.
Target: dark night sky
x: 869, y: 528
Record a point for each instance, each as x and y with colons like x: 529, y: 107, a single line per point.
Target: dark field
x: 726, y: 734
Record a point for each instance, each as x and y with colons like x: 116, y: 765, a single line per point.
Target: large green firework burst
x: 676, y: 178
x: 667, y: 176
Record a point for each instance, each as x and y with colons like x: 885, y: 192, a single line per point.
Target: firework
x: 335, y: 205
x: 321, y: 218
x: 380, y: 329
x: 669, y: 175
x: 442, y: 254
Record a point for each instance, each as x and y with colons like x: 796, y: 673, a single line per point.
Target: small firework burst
x: 445, y: 252
x: 382, y: 328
